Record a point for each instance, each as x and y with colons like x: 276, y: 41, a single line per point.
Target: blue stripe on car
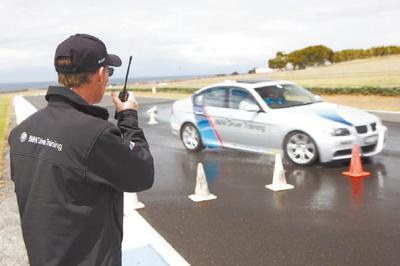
x: 334, y: 116
x: 207, y: 134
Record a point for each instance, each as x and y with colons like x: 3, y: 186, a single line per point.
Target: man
x: 274, y: 96
x: 71, y: 166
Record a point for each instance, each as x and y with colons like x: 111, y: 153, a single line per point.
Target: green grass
x: 376, y: 79
x: 4, y: 114
x: 381, y: 91
x: 378, y: 72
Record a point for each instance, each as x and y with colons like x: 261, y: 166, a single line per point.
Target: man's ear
x: 100, y: 73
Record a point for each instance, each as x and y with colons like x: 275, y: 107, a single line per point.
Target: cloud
x: 188, y: 37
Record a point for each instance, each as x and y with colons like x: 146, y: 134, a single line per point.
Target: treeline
x: 347, y: 55
x: 321, y: 55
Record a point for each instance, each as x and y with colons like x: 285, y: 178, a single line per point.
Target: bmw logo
x: 23, y: 137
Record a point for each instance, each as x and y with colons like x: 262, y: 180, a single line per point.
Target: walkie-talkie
x: 123, y: 95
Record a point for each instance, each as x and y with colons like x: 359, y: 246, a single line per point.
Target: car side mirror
x: 252, y: 108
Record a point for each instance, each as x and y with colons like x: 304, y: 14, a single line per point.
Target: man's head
x: 82, y: 59
x: 274, y: 93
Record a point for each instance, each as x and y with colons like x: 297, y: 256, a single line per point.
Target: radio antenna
x: 123, y: 95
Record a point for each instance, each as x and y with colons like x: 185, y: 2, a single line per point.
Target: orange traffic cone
x: 356, y: 169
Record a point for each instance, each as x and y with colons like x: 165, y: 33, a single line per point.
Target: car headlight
x: 340, y: 132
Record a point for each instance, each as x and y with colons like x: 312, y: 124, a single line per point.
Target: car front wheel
x: 300, y: 148
x: 191, y: 138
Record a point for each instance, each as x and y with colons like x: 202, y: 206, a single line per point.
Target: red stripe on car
x: 213, y: 127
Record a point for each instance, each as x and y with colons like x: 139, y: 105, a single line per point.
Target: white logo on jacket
x: 23, y: 136
x: 131, y: 145
x: 40, y: 141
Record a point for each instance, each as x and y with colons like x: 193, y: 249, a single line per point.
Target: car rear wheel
x: 191, y: 138
x: 300, y: 149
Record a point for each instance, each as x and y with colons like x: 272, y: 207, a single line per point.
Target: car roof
x: 248, y: 84
x: 254, y: 81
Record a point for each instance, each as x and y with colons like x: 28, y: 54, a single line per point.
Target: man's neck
x: 86, y: 92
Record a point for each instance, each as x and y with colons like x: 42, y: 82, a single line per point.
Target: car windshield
x: 285, y: 95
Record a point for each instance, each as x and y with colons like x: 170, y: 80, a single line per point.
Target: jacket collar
x: 66, y: 95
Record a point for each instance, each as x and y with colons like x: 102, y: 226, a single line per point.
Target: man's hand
x: 130, y: 103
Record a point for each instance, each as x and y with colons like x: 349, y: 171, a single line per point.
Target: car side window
x: 198, y: 99
x: 215, y: 97
x: 240, y: 99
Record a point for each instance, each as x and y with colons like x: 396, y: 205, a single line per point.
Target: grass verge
x: 368, y: 102
x: 4, y: 115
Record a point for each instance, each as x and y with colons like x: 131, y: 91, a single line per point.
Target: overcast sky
x: 179, y: 37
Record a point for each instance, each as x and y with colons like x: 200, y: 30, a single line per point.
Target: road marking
x: 23, y: 108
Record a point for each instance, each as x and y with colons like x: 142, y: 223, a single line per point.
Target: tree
x: 279, y: 62
x: 310, y: 56
x: 297, y: 59
x: 252, y: 71
x: 352, y: 54
x: 319, y: 54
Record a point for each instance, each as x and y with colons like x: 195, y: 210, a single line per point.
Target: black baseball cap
x: 86, y: 53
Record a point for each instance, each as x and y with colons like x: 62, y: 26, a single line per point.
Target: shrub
x: 389, y: 91
x: 319, y: 54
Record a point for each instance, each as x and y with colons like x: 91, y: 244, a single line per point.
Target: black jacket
x: 70, y: 167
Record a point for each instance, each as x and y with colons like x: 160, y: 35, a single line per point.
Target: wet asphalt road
x: 328, y: 219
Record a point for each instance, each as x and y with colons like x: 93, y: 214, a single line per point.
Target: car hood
x: 330, y: 113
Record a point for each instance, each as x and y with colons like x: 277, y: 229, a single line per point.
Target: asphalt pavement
x: 327, y: 219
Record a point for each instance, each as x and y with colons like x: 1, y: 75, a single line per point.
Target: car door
x: 244, y: 129
x: 209, y: 108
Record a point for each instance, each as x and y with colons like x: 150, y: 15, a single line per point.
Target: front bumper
x: 337, y: 148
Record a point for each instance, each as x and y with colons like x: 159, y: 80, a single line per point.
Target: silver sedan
x: 274, y: 116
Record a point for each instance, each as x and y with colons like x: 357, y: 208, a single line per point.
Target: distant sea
x: 20, y: 86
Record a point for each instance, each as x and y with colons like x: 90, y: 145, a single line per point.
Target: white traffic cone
x: 131, y: 203
x: 154, y: 90
x: 279, y: 179
x: 201, y: 192
x: 152, y: 112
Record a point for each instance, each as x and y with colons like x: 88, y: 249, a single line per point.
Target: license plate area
x: 371, y: 139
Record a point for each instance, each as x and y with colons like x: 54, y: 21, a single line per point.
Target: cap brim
x: 113, y: 60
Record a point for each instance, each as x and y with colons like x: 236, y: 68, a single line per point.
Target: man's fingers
x: 115, y: 98
x: 131, y: 97
x: 129, y: 104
